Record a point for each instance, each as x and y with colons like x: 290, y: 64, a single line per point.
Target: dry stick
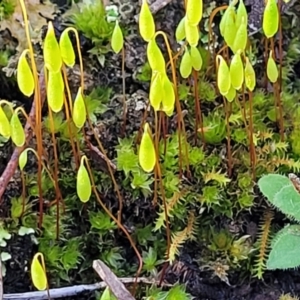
x: 112, y: 281
x: 72, y: 290
x: 13, y: 163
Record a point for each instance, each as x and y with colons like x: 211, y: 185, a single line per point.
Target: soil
x: 201, y: 284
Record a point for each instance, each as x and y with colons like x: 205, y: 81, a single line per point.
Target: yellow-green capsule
x: 23, y: 159
x: 55, y: 91
x: 146, y: 22
x: 230, y: 96
x: 272, y: 71
x: 196, y: 58
x: 180, y: 30
x: 155, y: 57
x: 147, y: 155
x: 236, y: 71
x: 192, y: 33
x: 223, y: 77
x: 83, y: 183
x: 270, y: 18
x: 25, y: 77
x: 241, y: 14
x: 230, y: 29
x: 224, y: 19
x: 5, y: 129
x: 38, y: 273
x: 156, y: 87
x: 66, y: 49
x: 194, y: 11
x: 17, y: 130
x: 250, y: 77
x: 52, y: 55
x: 185, y: 67
x: 168, y: 101
x: 117, y: 40
x: 241, y: 38
x: 79, y: 110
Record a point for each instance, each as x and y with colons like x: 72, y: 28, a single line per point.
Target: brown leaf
x: 37, y: 14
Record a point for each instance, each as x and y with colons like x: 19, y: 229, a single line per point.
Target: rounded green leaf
x: 155, y: 94
x: 17, y: 131
x: 55, y: 91
x: 196, y: 58
x: 66, y: 49
x: 52, y: 55
x: 250, y: 77
x: 25, y: 77
x: 284, y: 252
x: 83, y: 183
x: 155, y: 57
x: 194, y: 11
x: 168, y: 101
x: 38, y: 274
x: 270, y: 18
x: 185, y: 67
x: 223, y: 77
x: 237, y: 71
x: 180, y: 30
x: 79, y: 110
x: 192, y: 33
x: 117, y: 40
x: 147, y: 155
x: 272, y: 71
x: 5, y: 129
x: 146, y: 22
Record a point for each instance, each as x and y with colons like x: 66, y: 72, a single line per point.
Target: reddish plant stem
x: 13, y: 162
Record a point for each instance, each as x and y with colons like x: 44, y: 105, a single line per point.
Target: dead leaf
x: 37, y: 14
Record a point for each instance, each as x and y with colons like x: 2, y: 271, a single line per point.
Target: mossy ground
x: 216, y: 264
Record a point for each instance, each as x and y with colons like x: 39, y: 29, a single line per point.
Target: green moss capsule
x: 237, y: 71
x: 55, y: 91
x: 79, y: 110
x: 117, y: 40
x: 156, y: 87
x: 223, y: 77
x: 185, y: 67
x: 146, y: 22
x: 196, y: 58
x: 83, y: 183
x: 250, y: 77
x: 17, y: 130
x: 272, y: 71
x: 192, y: 33
x: 147, y: 156
x: 270, y: 18
x: 194, y: 11
x: 66, y: 49
x: 5, y: 129
x: 155, y: 57
x: 52, y: 55
x: 168, y: 101
x: 180, y: 30
x: 25, y: 77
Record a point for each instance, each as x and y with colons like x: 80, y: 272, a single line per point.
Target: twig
x: 69, y: 291
x: 112, y: 281
x: 13, y: 162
